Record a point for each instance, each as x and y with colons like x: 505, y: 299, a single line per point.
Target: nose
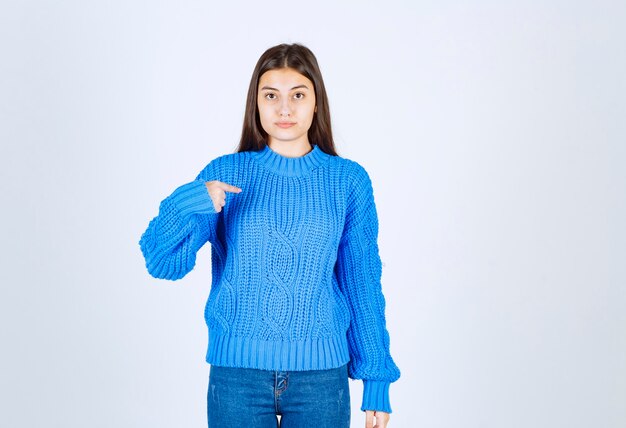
x: 285, y: 108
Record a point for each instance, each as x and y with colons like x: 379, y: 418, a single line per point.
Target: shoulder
x: 221, y: 165
x: 354, y: 173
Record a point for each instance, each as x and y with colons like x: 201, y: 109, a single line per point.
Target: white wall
x: 495, y: 136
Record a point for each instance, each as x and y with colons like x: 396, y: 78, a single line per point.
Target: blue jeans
x: 251, y: 398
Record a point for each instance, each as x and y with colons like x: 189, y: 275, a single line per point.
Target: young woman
x: 296, y: 304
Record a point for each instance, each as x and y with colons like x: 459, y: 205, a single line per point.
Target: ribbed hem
x: 193, y: 198
x: 376, y: 396
x: 293, y: 167
x: 314, y: 354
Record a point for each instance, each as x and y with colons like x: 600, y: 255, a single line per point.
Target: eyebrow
x: 295, y: 87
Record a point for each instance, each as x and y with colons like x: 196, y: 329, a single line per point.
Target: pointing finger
x: 229, y: 187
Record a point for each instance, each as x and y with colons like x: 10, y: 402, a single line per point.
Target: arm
x: 186, y: 221
x: 359, y: 271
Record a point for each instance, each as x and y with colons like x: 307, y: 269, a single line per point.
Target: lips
x: 285, y: 124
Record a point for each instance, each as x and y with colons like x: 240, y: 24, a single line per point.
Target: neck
x: 291, y: 149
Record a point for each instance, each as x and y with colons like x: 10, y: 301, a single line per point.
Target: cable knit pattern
x: 296, y: 272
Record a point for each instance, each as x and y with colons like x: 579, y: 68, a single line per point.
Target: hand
x: 217, y: 191
x: 382, y: 418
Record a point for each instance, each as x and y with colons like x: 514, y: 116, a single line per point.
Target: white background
x: 494, y: 133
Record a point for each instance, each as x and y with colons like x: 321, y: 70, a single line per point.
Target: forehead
x: 284, y: 78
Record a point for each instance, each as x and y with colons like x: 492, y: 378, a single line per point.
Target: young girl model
x: 296, y: 304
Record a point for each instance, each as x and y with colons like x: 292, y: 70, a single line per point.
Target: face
x: 284, y: 95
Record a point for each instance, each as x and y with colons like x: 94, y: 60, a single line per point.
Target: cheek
x: 311, y: 113
x: 263, y: 112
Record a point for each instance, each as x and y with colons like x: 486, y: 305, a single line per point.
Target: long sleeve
x: 185, y: 222
x: 359, y: 271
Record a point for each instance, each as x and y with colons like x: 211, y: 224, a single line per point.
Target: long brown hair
x: 301, y: 59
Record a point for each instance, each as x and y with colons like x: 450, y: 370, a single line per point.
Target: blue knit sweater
x: 296, y: 272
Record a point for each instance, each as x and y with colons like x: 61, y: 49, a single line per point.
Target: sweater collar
x: 289, y: 166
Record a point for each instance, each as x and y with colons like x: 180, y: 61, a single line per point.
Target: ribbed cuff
x: 193, y: 198
x: 376, y: 395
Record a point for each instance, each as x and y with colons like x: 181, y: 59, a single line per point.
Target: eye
x: 267, y: 95
x: 300, y: 93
